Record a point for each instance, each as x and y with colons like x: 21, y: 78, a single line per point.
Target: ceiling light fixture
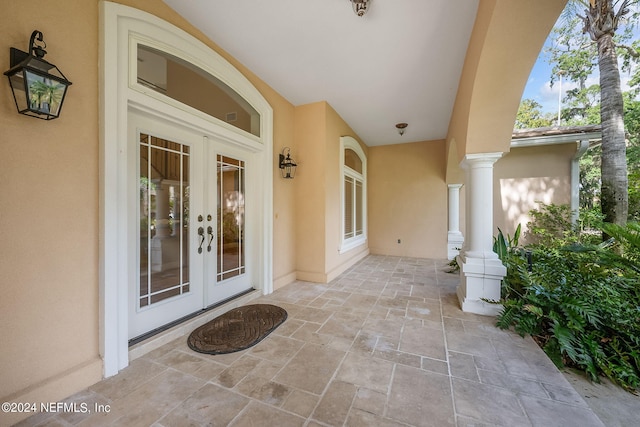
x: 360, y: 7
x: 401, y: 127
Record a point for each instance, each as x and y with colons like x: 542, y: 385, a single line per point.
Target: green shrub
x: 591, y: 221
x: 580, y: 302
x: 502, y: 245
x: 628, y: 238
x: 551, y: 225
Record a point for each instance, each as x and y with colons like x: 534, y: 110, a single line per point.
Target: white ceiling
x: 400, y: 62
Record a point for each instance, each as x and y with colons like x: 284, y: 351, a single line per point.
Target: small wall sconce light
x: 38, y: 86
x: 287, y: 164
x: 401, y: 127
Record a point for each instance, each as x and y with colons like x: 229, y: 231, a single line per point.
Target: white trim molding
x: 348, y: 142
x: 583, y: 147
x: 455, y: 239
x: 121, y: 27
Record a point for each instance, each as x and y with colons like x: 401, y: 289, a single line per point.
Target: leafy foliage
x: 551, y: 225
x: 530, y: 115
x: 632, y: 124
x: 502, y: 244
x: 580, y: 297
x: 580, y: 302
x: 574, y: 58
x: 629, y: 239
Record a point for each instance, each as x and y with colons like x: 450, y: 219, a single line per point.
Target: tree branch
x: 634, y: 53
x: 623, y: 10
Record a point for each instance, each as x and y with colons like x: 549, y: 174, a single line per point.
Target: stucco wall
x: 408, y: 200
x: 318, y: 128
x: 49, y: 177
x: 505, y: 42
x: 48, y: 212
x: 526, y: 176
x: 310, y: 155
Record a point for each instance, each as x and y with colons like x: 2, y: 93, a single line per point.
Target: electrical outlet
x: 399, y: 241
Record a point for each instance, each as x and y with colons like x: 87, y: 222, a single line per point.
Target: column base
x: 480, y: 278
x: 455, y: 239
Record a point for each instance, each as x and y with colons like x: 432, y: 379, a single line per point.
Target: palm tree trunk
x: 614, y: 187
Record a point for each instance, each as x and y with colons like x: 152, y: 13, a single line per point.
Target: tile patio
x: 385, y: 344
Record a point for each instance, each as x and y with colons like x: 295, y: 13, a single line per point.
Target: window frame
x: 346, y: 244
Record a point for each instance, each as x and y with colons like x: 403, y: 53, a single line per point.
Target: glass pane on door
x: 164, y: 220
x: 231, y: 226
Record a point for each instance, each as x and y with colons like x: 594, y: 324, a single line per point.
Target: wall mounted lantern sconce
x: 287, y: 164
x: 401, y: 128
x: 38, y: 86
x: 360, y: 7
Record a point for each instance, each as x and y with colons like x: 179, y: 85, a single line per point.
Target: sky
x: 538, y: 86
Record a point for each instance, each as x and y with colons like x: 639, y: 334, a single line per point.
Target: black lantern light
x: 287, y: 165
x: 38, y: 86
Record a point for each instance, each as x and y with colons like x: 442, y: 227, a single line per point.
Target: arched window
x: 354, y: 194
x: 169, y: 76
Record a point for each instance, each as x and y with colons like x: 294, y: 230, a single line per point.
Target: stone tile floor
x: 384, y: 344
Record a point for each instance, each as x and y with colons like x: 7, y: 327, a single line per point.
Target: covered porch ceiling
x: 400, y: 62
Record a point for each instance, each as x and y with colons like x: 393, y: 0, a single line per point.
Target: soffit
x: 400, y: 62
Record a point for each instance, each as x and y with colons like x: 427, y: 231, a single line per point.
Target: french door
x: 190, y: 228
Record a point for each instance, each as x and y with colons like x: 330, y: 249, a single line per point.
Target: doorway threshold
x: 150, y: 341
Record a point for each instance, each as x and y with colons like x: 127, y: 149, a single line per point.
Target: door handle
x: 201, y: 234
x: 210, y: 231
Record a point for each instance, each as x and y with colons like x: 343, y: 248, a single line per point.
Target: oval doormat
x: 237, y: 329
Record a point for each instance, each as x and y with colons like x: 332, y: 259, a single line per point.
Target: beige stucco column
x: 455, y: 239
x: 481, y: 270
